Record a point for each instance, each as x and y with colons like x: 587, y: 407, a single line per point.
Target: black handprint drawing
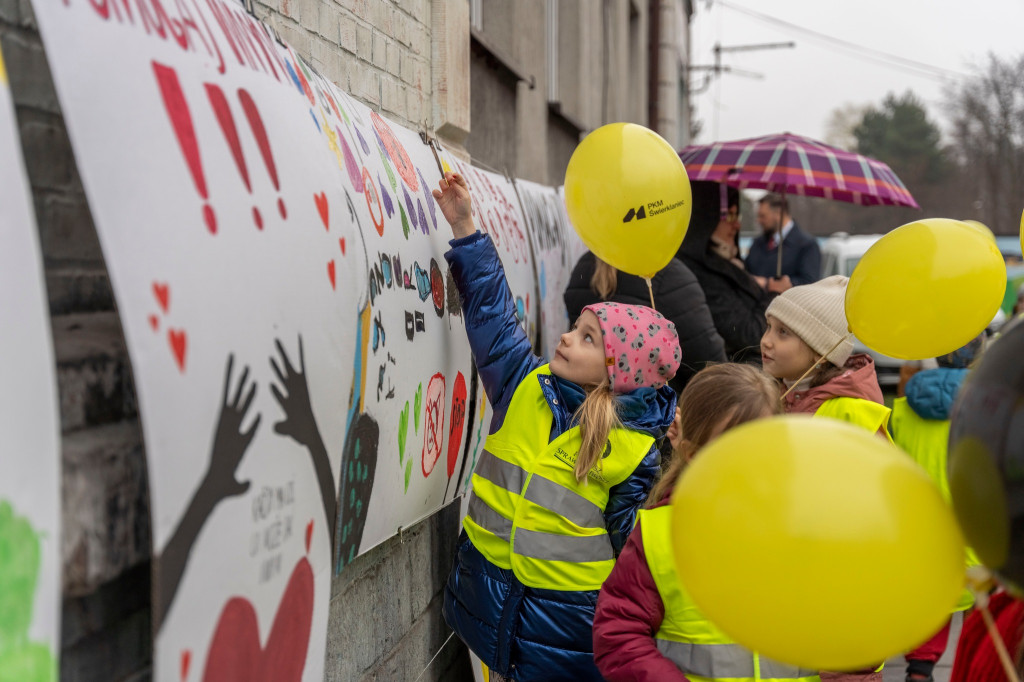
x: 220, y: 482
x: 300, y: 424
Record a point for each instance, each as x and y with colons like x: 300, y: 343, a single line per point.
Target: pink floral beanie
x: 641, y: 346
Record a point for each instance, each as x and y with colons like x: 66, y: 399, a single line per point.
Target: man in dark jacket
x: 736, y: 302
x: 677, y: 295
x: 801, y: 256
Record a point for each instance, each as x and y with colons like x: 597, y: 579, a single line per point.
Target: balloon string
x: 811, y: 369
x: 997, y: 639
x: 650, y: 290
x: 980, y: 581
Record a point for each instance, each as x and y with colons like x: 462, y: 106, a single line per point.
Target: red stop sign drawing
x: 433, y: 423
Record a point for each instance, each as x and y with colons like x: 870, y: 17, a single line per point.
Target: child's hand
x: 454, y: 200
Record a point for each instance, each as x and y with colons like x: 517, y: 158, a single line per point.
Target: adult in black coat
x: 677, y: 296
x: 736, y: 302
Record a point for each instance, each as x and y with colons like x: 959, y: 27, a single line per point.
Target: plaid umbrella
x: 792, y: 164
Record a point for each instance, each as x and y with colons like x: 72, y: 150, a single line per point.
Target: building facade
x: 513, y: 85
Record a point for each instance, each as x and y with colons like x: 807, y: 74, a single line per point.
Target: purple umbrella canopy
x: 792, y: 164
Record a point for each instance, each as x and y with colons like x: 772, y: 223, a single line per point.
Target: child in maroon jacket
x: 629, y: 608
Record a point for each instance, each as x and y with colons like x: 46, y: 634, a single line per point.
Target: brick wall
x: 393, y: 55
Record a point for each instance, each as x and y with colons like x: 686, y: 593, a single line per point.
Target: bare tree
x: 987, y: 112
x: 841, y: 123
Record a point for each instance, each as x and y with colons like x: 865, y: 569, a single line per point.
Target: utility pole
x: 718, y: 68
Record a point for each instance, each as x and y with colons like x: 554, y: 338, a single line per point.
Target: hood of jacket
x: 707, y: 209
x: 858, y: 380
x: 648, y: 410
x: 931, y: 393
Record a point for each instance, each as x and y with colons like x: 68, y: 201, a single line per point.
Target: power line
x: 854, y: 49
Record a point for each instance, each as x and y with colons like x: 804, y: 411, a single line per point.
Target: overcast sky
x: 922, y: 41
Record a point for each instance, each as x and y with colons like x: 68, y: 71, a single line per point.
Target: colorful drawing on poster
x: 403, y: 430
x: 20, y: 658
x: 395, y: 151
x: 433, y: 423
x: 417, y: 406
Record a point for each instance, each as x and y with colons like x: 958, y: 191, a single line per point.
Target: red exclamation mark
x: 260, y: 132
x: 227, y: 124
x: 181, y: 120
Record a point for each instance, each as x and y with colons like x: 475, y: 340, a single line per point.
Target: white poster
x: 296, y: 341
x: 556, y: 248
x: 29, y: 430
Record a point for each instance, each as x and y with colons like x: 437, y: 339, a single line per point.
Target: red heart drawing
x: 154, y: 322
x: 341, y: 243
x: 309, y: 534
x: 186, y: 661
x: 321, y: 207
x: 330, y: 273
x: 235, y: 653
x: 163, y: 295
x: 179, y: 342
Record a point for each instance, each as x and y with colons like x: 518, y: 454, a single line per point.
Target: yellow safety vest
x: 686, y: 637
x: 527, y: 511
x: 927, y: 442
x: 858, y: 411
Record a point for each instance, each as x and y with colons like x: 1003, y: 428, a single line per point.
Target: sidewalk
x: 894, y: 667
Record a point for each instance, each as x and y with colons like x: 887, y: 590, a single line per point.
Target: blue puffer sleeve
x: 500, y: 347
x: 627, y: 497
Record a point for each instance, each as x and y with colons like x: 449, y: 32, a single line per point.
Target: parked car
x: 840, y: 254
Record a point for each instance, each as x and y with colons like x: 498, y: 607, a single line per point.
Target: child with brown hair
x: 647, y: 627
x: 571, y: 456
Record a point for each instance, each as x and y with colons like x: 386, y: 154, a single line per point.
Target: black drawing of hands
x: 300, y: 424
x: 293, y: 397
x: 230, y: 442
x: 220, y: 482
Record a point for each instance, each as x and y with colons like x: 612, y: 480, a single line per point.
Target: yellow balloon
x: 816, y: 543
x: 981, y: 227
x: 925, y: 289
x: 628, y: 196
x: 1022, y: 232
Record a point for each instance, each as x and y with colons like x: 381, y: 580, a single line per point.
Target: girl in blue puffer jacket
x: 571, y: 455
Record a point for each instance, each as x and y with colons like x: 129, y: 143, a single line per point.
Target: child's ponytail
x: 597, y: 416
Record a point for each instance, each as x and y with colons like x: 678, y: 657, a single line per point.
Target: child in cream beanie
x: 809, y: 347
x: 817, y: 315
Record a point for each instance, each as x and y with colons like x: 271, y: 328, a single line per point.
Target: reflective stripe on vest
x: 858, y: 411
x: 527, y: 511
x: 927, y: 442
x: 686, y: 637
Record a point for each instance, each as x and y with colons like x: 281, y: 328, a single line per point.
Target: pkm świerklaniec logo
x: 652, y: 208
